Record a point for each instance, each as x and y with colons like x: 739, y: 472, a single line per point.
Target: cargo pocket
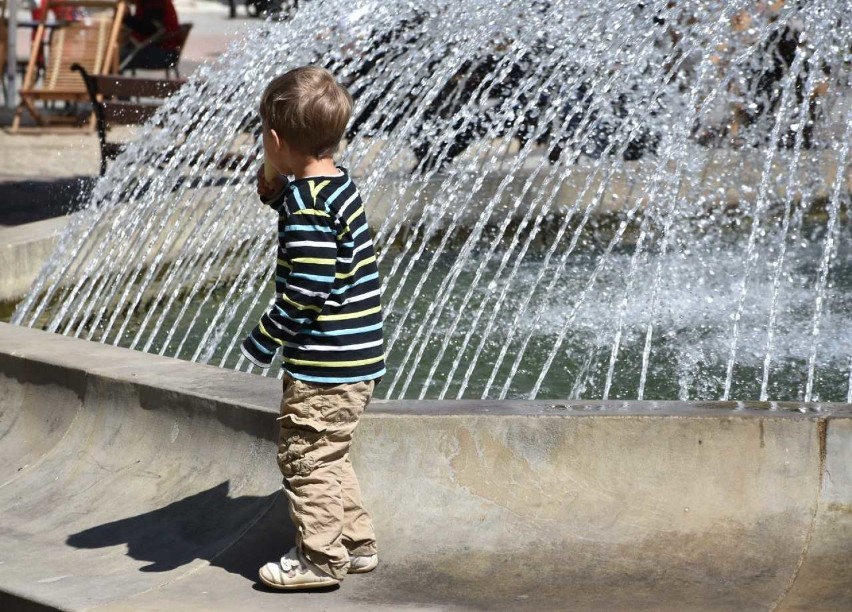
x: 302, y: 407
x: 297, y: 449
x: 302, y: 431
x: 345, y: 403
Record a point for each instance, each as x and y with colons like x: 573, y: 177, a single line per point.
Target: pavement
x: 130, y: 481
x: 46, y: 176
x: 43, y: 176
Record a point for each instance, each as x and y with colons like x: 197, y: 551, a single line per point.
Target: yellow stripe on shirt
x: 315, y: 189
x: 300, y: 306
x: 333, y: 364
x: 311, y: 211
x: 353, y: 215
x: 314, y: 260
x: 267, y: 334
x: 357, y: 267
x: 349, y: 315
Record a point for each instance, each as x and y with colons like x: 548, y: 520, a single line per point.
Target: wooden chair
x: 89, y: 40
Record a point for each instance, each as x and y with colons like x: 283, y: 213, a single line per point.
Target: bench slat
x: 136, y: 87
x: 127, y: 113
x: 110, y: 96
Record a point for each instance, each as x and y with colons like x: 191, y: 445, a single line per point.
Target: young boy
x: 327, y: 321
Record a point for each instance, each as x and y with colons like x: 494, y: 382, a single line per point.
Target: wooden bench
x: 121, y: 100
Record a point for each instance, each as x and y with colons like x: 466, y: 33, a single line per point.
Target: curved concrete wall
x: 134, y: 482
x: 23, y: 251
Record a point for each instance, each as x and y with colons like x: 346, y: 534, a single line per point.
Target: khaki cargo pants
x: 317, y: 423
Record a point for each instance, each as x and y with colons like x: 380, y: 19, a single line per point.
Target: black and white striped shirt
x: 327, y: 315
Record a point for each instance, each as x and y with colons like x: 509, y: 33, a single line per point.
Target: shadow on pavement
x: 208, y: 526
x: 28, y: 200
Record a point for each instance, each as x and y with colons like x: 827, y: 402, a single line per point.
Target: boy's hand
x: 267, y: 189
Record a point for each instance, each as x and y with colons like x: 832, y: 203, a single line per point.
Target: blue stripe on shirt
x: 284, y: 314
x: 343, y: 332
x: 337, y: 379
x: 298, y: 197
x: 333, y: 196
x: 306, y: 228
x: 313, y: 277
x: 363, y: 279
x: 262, y: 348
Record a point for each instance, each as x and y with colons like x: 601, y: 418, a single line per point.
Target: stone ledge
x: 151, y: 483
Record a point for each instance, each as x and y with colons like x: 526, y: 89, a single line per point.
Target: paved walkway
x: 44, y: 175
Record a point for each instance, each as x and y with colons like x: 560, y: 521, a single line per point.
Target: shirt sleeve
x: 309, y: 239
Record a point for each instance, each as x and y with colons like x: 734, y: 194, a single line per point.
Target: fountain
x: 569, y: 200
x: 629, y: 201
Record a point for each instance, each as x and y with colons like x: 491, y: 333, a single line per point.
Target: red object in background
x: 162, y: 11
x: 61, y: 13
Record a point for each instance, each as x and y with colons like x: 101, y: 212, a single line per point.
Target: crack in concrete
x: 822, y: 437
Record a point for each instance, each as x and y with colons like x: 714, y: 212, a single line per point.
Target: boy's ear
x: 276, y: 139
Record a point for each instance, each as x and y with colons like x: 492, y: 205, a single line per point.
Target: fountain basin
x: 401, y: 202
x: 692, y: 335
x: 23, y: 251
x: 150, y: 483
x: 607, y: 189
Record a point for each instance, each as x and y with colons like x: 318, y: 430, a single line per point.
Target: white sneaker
x: 295, y: 572
x: 361, y: 564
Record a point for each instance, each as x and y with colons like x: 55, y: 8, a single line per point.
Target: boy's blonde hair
x: 308, y: 109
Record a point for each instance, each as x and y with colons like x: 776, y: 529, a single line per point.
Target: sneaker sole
x: 294, y: 587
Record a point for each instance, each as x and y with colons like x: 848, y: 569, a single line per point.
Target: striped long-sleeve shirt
x: 327, y: 315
